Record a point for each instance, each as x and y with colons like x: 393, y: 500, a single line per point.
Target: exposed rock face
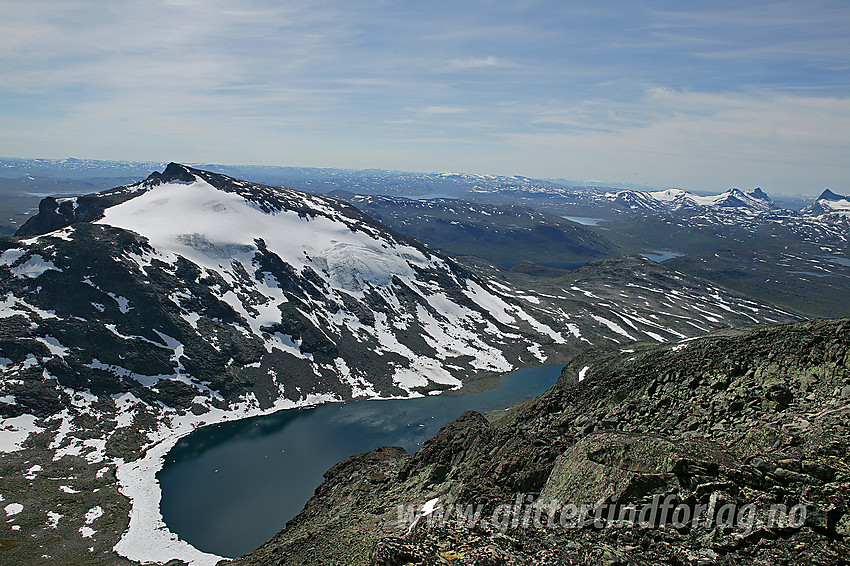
x: 732, y: 425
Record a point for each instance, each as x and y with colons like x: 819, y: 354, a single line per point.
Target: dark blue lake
x: 228, y: 488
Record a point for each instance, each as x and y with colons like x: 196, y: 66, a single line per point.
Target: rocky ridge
x: 753, y: 417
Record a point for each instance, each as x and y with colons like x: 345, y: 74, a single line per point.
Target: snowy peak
x: 759, y: 194
x: 753, y: 201
x: 268, y: 199
x: 55, y: 214
x: 267, y: 291
x: 829, y: 204
x: 678, y: 201
x: 213, y: 220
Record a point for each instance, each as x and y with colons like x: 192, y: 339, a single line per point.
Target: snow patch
x: 13, y: 509
x: 53, y: 519
x: 9, y: 257
x: 489, y: 302
x: 94, y: 514
x: 123, y: 303
x: 53, y: 345
x: 33, y: 267
x: 14, y: 431
x: 31, y: 473
x: 613, y: 326
x: 536, y: 350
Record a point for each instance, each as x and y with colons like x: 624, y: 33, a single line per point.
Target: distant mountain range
x: 72, y: 168
x: 392, y: 183
x: 494, y: 189
x: 750, y: 202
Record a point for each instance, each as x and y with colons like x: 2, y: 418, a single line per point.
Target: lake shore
x: 234, y: 470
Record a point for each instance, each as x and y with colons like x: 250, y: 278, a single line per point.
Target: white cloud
x: 466, y: 63
x: 438, y: 109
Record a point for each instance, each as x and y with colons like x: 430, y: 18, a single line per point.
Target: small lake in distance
x: 661, y: 255
x: 585, y: 220
x: 228, y: 488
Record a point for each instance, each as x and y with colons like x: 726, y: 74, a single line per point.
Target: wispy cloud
x: 815, y: 33
x: 466, y: 63
x: 715, y: 140
x: 514, y: 87
x: 437, y: 109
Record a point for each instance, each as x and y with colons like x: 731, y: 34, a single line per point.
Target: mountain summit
x: 830, y: 196
x: 829, y: 204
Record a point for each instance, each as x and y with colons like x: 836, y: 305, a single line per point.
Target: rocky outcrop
x: 738, y: 441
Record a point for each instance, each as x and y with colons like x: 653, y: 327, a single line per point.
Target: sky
x: 698, y: 95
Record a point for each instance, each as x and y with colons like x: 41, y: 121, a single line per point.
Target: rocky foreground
x: 748, y: 429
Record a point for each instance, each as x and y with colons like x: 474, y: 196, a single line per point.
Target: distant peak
x: 831, y: 196
x: 758, y: 193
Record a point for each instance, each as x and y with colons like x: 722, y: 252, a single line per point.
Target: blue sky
x: 702, y: 96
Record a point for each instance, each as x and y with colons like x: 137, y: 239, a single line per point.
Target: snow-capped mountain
x: 320, y: 298
x: 196, y: 290
x: 734, y: 202
x: 234, y: 289
x: 749, y: 202
x: 829, y: 204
